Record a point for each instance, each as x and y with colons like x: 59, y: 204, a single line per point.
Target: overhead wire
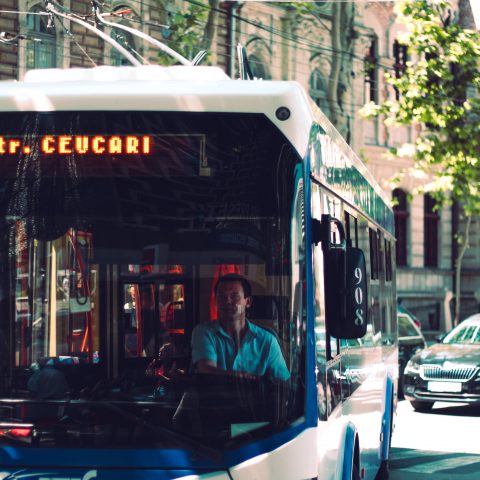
x: 258, y: 25
x: 121, y: 41
x: 30, y: 36
x: 295, y: 39
x: 8, y: 41
x: 70, y: 35
x: 74, y: 18
x: 81, y: 19
x: 225, y: 45
x: 16, y: 12
x: 286, y: 40
x: 71, y: 56
x: 337, y: 109
x: 290, y: 41
x: 147, y: 38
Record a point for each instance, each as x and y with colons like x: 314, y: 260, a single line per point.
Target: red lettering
x: 132, y: 144
x: 64, y: 144
x: 115, y: 145
x: 13, y: 146
x: 81, y: 144
x: 98, y: 144
x: 146, y: 144
x: 48, y: 145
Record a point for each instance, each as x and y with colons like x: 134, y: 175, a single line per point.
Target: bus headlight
x: 412, y: 368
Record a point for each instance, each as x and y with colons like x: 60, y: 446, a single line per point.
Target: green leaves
x: 439, y: 91
x: 185, y: 28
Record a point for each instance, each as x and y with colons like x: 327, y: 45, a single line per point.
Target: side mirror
x: 346, y: 294
x: 357, y: 294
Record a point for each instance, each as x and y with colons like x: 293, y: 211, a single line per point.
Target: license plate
x: 444, y: 387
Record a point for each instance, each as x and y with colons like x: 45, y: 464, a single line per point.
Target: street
x: 439, y: 445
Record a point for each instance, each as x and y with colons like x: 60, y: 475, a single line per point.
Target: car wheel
x: 422, y: 406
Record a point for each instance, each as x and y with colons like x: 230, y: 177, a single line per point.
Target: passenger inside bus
x: 47, y: 381
x: 164, y: 368
x: 233, y: 345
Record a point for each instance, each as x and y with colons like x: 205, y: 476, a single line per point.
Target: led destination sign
x: 157, y: 154
x: 80, y: 144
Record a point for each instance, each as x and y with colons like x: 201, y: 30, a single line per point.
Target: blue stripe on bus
x: 387, y: 419
x: 311, y: 358
x: 34, y: 473
x: 348, y: 451
x: 143, y: 459
x: 105, y: 458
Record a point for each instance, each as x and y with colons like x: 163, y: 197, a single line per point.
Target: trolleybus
x: 125, y: 194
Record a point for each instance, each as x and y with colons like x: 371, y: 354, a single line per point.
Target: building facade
x: 339, y: 52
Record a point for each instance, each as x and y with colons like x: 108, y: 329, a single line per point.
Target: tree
x: 343, y: 39
x: 191, y: 30
x: 439, y: 92
x: 343, y: 36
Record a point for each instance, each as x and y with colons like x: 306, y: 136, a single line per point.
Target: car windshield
x: 115, y: 228
x: 464, y: 333
x: 406, y: 328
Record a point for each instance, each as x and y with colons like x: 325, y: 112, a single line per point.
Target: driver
x: 233, y: 345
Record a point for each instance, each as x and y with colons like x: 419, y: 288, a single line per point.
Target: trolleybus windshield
x: 115, y: 227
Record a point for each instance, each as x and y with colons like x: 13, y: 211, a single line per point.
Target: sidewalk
x: 411, y: 464
x: 406, y: 475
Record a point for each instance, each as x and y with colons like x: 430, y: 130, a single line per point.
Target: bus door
x: 329, y: 350
x: 364, y: 357
x: 362, y: 353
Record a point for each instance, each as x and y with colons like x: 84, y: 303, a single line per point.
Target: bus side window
x: 374, y: 254
x: 388, y: 260
x: 348, y: 234
x: 351, y: 230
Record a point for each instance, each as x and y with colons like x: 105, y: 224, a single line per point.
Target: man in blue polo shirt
x: 233, y: 345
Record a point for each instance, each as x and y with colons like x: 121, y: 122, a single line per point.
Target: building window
x: 257, y: 67
x: 371, y: 72
x: 374, y: 254
x: 125, y: 39
x: 400, y: 55
x: 400, y: 210
x: 388, y: 261
x: 122, y: 37
x: 430, y: 231
x: 318, y: 90
x: 41, y: 41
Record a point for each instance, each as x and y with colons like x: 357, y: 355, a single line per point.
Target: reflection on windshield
x: 467, y: 334
x: 111, y: 263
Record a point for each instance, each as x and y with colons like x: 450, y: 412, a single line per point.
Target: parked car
x: 405, y: 311
x: 410, y: 341
x: 448, y: 371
